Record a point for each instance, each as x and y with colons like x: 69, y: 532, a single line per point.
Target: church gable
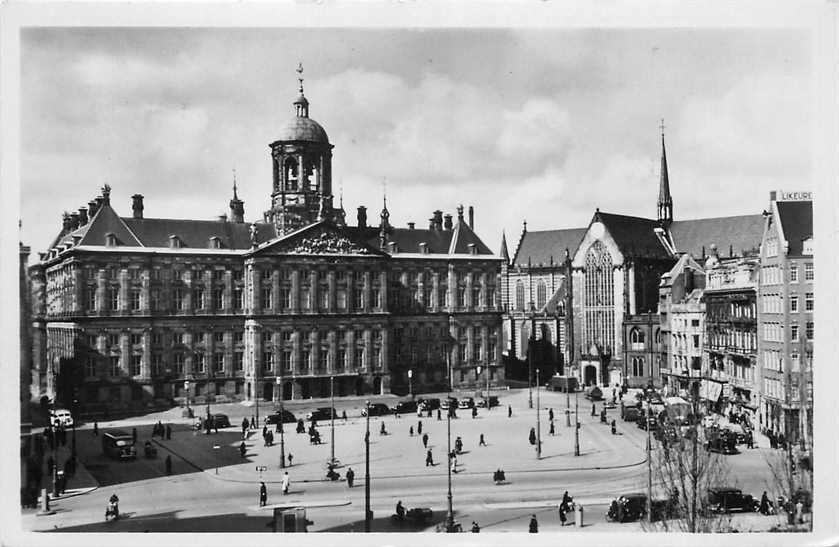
x: 597, y: 232
x: 317, y: 239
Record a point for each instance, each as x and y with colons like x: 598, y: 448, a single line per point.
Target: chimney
x: 83, y: 216
x: 460, y: 214
x: 74, y: 220
x: 773, y: 195
x: 66, y: 221
x: 438, y: 219
x: 431, y: 224
x: 362, y: 216
x: 137, y: 205
x: 447, y: 223
x: 411, y: 225
x: 92, y: 207
x: 106, y: 195
x: 222, y: 218
x: 471, y: 217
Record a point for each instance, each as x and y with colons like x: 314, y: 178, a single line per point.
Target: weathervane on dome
x: 300, y: 77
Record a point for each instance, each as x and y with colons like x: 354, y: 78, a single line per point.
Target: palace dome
x: 302, y: 128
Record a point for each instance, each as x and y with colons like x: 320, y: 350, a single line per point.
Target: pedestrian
x: 481, y: 441
x: 563, y: 513
x: 474, y: 412
x: 286, y: 483
x: 533, y: 528
x: 429, y: 460
x: 799, y: 512
x: 458, y: 445
x: 263, y: 494
x: 243, y: 449
x: 290, y: 457
x: 168, y: 464
x: 453, y: 459
x: 278, y: 426
x: 253, y: 422
x: 419, y: 427
x: 382, y: 430
x: 439, y: 415
x: 264, y: 431
x: 509, y: 411
x: 532, y: 436
x: 160, y: 430
x: 551, y: 414
x: 168, y: 432
x: 411, y: 431
x: 593, y: 410
x: 764, y: 504
x: 134, y: 434
x: 425, y: 440
x: 344, y: 415
x: 614, y: 427
x: 750, y: 439
x: 95, y: 429
x: 551, y: 430
x: 245, y: 425
x: 475, y: 527
x: 350, y: 477
x: 429, y: 411
x: 301, y: 428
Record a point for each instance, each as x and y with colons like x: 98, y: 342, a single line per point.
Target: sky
x: 543, y: 125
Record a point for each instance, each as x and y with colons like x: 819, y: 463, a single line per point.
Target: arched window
x: 519, y: 295
x: 290, y: 168
x: 637, y: 366
x: 636, y: 336
x: 599, y: 298
x: 541, y: 295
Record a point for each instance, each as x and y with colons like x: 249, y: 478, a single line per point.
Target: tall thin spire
x: 237, y: 206
x: 235, y: 196
x: 504, y: 252
x: 665, y: 200
x: 301, y: 104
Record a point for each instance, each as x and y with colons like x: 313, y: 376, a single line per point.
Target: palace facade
x: 135, y: 311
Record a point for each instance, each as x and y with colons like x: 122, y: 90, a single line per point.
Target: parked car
x: 404, y: 407
x: 724, y: 500
x: 62, y: 416
x: 720, y: 440
x: 429, y: 404
x: 466, y: 402
x: 322, y: 413
x: 376, y: 409
x: 594, y: 394
x: 221, y: 420
x: 647, y: 422
x: 286, y: 417
x: 449, y: 402
x: 493, y: 401
x: 632, y: 507
x: 630, y: 413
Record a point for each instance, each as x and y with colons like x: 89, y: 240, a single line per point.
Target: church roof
x: 740, y: 234
x: 539, y: 246
x: 634, y: 236
x: 796, y: 219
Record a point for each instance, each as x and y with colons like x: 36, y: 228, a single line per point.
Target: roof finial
x: 300, y: 76
x: 662, y: 128
x: 234, y: 184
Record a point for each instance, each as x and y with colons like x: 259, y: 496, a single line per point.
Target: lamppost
x: 450, y: 514
x: 576, y: 424
x: 186, y: 391
x: 538, y: 422
x: 568, y: 401
x: 410, y: 384
x: 368, y: 517
x: 75, y: 413
x: 530, y: 355
x: 649, y: 461
x: 282, y: 427
x: 332, y: 421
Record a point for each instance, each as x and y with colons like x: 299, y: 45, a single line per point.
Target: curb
x: 70, y: 494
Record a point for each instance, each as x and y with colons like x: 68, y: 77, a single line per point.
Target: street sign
x: 261, y: 468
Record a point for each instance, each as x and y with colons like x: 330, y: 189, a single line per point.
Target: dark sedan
x: 287, y: 418
x: 376, y: 409
x: 724, y: 500
x: 221, y: 420
x: 322, y: 413
x: 405, y: 406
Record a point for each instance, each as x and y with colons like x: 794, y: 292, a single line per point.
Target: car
x: 725, y: 499
x: 376, y: 409
x: 62, y: 416
x: 632, y: 507
x: 275, y: 418
x: 430, y: 404
x: 221, y: 420
x: 594, y: 394
x: 630, y: 413
x: 720, y: 440
x: 322, y: 413
x: 466, y: 402
x: 649, y: 422
x: 493, y: 401
x: 405, y: 406
x: 449, y: 402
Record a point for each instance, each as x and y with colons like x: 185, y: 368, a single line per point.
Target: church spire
x: 665, y: 201
x: 504, y: 253
x: 237, y: 206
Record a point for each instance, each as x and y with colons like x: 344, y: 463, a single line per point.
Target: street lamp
x: 186, y: 391
x: 368, y: 517
x: 530, y: 353
x: 332, y: 421
x: 450, y: 514
x: 538, y: 422
x: 282, y: 427
x: 410, y: 384
x: 576, y: 424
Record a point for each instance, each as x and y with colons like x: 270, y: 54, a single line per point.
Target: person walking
x: 481, y: 441
x: 439, y: 415
x: 552, y: 430
x: 551, y: 414
x: 290, y: 457
x: 750, y: 439
x: 286, y: 483
x: 278, y: 426
x: 475, y: 527
x: 532, y: 436
x: 245, y: 425
x: 509, y: 411
x: 593, y: 410
x: 474, y: 412
x: 263, y: 494
x: 614, y: 427
x: 253, y: 422
x: 764, y: 504
x: 419, y: 427
x: 344, y: 415
x: 350, y: 477
x: 453, y: 459
x: 411, y: 431
x: 429, y: 460
x: 382, y: 430
x: 533, y: 528
x: 134, y: 434
x: 168, y: 464
x: 264, y: 431
x: 160, y: 430
x: 95, y: 429
x: 563, y: 513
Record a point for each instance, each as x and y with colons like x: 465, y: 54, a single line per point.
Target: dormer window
x: 473, y: 249
x: 423, y: 248
x: 807, y: 245
x: 175, y: 242
x: 215, y: 242
x: 111, y: 240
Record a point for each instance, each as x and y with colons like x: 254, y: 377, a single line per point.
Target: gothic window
x: 519, y: 295
x: 599, y: 298
x: 541, y: 295
x: 636, y: 336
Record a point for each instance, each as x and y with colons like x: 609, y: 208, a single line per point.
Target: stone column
x: 313, y: 291
x: 146, y: 368
x: 452, y: 287
x: 330, y: 277
x: 484, y: 302
x: 124, y: 304
x: 78, y: 289
x: 253, y: 354
x: 367, y: 292
x: 228, y: 291
x: 486, y: 358
x: 384, y: 290
x: 385, y: 351
x: 471, y: 304
x: 256, y: 283
x: 145, y: 291
x: 275, y: 291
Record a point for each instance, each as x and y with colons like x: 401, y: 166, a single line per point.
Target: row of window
x: 774, y: 332
x: 91, y: 273
x: 773, y: 303
x: 745, y: 341
x: 774, y: 275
